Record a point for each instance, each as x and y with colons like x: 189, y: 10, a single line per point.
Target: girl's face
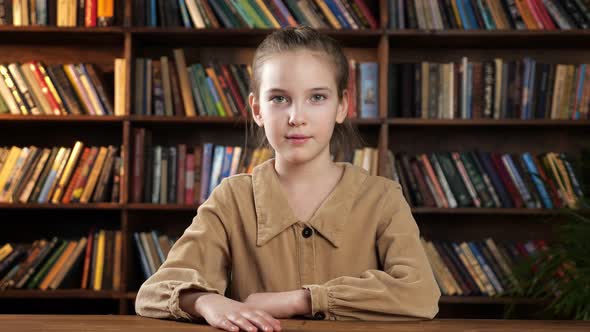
x: 298, y: 104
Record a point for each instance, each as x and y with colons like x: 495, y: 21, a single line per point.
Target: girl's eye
x: 318, y: 98
x: 278, y: 99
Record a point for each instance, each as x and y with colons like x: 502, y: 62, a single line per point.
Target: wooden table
x: 107, y: 323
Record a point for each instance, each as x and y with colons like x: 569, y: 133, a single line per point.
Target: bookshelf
x: 101, y: 46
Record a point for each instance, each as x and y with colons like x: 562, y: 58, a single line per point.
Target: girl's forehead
x: 298, y: 68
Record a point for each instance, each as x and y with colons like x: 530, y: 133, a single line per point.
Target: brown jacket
x: 360, y: 254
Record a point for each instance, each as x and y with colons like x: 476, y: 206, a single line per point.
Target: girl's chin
x: 295, y: 157
x: 298, y: 157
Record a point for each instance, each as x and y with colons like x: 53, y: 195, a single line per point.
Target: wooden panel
x: 60, y: 293
x: 235, y: 55
x: 27, y: 225
x: 103, y: 57
x: 240, y: 37
x: 445, y: 54
x: 72, y: 120
x: 136, y: 323
x: 48, y: 134
x: 57, y: 306
x: 476, y: 227
x: 195, y: 54
x: 49, y: 35
x: 558, y: 39
x: 128, y: 55
x: 362, y: 54
x: 125, y: 253
x: 490, y: 139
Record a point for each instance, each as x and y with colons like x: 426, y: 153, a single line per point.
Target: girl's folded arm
x: 198, y: 261
x: 405, y: 288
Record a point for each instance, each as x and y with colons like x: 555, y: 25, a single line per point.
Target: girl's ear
x: 342, y: 111
x: 255, y: 107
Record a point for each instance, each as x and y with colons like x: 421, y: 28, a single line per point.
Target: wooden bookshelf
x: 486, y: 123
x: 72, y: 119
x: 72, y: 206
x: 61, y: 294
x: 102, y: 45
x: 242, y: 37
x: 522, y: 39
x: 486, y: 300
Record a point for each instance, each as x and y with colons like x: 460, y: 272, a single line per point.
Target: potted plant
x: 559, y: 275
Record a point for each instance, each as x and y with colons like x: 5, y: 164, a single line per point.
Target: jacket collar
x: 274, y: 214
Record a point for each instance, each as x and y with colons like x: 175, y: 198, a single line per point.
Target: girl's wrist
x: 189, y: 302
x: 303, y: 302
x: 186, y: 302
x: 201, y: 301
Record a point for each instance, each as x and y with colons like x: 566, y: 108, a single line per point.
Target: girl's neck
x: 316, y: 170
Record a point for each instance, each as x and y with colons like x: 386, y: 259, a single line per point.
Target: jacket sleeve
x: 198, y: 260
x: 404, y: 289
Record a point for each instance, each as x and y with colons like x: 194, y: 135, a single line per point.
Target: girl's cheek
x: 274, y: 108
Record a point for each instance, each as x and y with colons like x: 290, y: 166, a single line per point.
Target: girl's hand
x: 282, y: 304
x: 227, y: 314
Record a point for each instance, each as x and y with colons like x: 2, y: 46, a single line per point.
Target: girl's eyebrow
x: 279, y: 90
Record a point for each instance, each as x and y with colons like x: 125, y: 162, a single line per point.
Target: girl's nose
x: 296, y: 116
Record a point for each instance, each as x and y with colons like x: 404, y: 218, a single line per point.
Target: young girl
x: 302, y: 235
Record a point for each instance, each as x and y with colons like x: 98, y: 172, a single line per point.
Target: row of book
x: 262, y: 14
x: 487, y: 180
x: 60, y: 174
x: 480, y: 267
x: 498, y: 89
x: 366, y: 158
x: 152, y: 249
x: 33, y: 88
x: 489, y: 14
x: 68, y: 13
x: 90, y: 262
x: 167, y: 87
x: 184, y: 174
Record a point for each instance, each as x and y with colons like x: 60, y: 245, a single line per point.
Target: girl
x: 302, y: 235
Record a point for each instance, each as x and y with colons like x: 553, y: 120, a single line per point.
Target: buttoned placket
x: 305, y: 238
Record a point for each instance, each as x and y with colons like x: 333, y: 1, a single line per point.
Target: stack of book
x: 92, y: 262
x: 185, y: 174
x: 170, y: 87
x: 33, y: 88
x: 262, y: 14
x: 487, y: 180
x: 484, y: 267
x: 68, y: 13
x: 367, y: 158
x: 167, y: 87
x: 60, y: 174
x: 498, y: 89
x: 152, y: 248
x: 489, y: 14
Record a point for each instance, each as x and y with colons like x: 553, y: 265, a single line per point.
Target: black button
x: 319, y: 315
x: 307, y: 232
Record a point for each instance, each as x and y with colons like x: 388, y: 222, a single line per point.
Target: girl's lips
x: 298, y: 139
x: 297, y: 136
